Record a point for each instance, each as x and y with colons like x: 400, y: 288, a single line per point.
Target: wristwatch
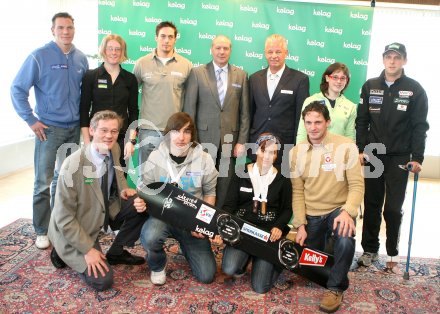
x: 133, y: 141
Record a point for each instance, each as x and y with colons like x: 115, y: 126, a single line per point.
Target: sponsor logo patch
x: 255, y: 232
x: 312, y: 258
x: 187, y: 201
x: 401, y: 107
x: 205, y: 213
x: 405, y: 93
x: 376, y: 91
x: 375, y: 100
x: 401, y: 101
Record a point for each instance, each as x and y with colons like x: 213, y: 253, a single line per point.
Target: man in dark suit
x: 82, y: 209
x: 277, y: 94
x: 217, y: 99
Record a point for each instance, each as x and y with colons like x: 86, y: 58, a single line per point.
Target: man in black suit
x: 277, y: 94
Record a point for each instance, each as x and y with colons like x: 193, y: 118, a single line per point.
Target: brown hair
x: 105, y: 115
x: 337, y: 66
x: 178, y: 121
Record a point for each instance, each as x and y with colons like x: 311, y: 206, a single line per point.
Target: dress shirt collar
x: 216, y: 67
x: 279, y: 73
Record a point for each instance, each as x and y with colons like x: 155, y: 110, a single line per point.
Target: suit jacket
x: 202, y: 103
x: 78, y: 213
x: 279, y: 115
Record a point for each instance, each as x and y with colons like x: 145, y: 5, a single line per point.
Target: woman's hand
x: 275, y: 234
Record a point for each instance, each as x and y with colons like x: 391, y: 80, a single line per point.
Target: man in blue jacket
x: 55, y: 71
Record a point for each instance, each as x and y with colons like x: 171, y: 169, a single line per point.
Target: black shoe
x: 56, y: 260
x: 125, y: 258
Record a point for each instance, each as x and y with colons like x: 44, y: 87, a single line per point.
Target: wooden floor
x: 16, y: 202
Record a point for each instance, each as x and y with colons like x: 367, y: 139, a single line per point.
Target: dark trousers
x: 344, y: 247
x: 225, y: 166
x: 389, y: 187
x: 129, y: 223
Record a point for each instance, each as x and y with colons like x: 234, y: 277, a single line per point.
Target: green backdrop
x: 317, y: 34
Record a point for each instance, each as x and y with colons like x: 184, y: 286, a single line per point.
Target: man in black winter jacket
x: 391, y: 127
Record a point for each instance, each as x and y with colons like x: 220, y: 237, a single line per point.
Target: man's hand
x: 126, y: 193
x: 415, y: 166
x: 362, y: 158
x: 275, y: 234
x: 128, y: 150
x: 140, y: 205
x: 301, y: 235
x: 216, y: 240
x: 238, y: 150
x: 95, y: 261
x: 197, y: 235
x: 38, y: 128
x: 346, y: 224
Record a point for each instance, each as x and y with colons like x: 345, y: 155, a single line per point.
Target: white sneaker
x: 42, y: 242
x: 158, y: 278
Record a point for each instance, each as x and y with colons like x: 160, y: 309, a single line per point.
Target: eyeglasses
x: 115, y: 49
x: 104, y: 131
x: 338, y: 78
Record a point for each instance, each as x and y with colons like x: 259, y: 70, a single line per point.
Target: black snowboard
x: 182, y: 210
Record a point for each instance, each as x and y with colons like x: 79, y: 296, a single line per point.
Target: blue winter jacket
x: 56, y: 78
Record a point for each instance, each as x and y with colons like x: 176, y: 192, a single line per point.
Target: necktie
x: 104, y: 189
x: 220, y: 86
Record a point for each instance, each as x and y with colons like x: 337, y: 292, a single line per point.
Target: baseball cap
x: 396, y: 47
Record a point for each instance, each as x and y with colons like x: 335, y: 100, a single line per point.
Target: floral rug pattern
x: 30, y: 284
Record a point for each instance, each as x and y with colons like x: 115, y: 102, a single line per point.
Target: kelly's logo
x: 312, y: 258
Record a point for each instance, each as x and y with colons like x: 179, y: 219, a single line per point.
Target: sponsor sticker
x: 188, y: 201
x: 376, y: 91
x: 102, y: 81
x: 405, y: 93
x: 88, y: 181
x: 205, y: 213
x: 374, y: 109
x: 287, y: 91
x: 401, y: 101
x: 174, y: 73
x: 245, y: 189
x: 193, y: 173
x: 255, y: 232
x: 312, y: 258
x: 236, y: 85
x: 401, y: 107
x: 102, y: 86
x: 59, y: 66
x: 375, y: 100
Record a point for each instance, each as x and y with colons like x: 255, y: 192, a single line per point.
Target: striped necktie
x: 220, y: 86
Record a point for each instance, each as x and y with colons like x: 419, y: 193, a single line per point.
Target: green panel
x: 317, y: 34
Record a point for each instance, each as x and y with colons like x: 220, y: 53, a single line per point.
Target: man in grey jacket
x: 82, y: 209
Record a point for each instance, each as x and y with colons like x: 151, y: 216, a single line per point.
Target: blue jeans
x: 47, y: 164
x: 148, y: 141
x: 344, y: 248
x: 197, y: 252
x: 263, y: 275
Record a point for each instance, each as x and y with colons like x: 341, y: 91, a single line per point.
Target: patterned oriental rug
x: 30, y: 284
